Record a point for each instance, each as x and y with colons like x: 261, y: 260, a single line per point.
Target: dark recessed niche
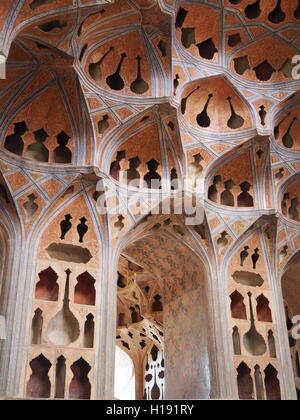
x: 89, y: 328
x: 264, y: 71
x: 207, y: 49
x: 39, y: 385
x: 238, y: 307
x: 245, y: 382
x: 62, y: 154
x: 60, y: 377
x: 36, y: 4
x: 188, y: 37
x: 51, y: 25
x: 234, y: 39
x: 37, y: 327
x: 235, y: 121
x: 80, y: 386
x: 95, y: 69
x: 139, y: 85
x: 41, y: 46
x: 69, y: 253
x: 277, y: 15
x: 82, y: 229
x: 4, y: 194
x: 85, y: 293
x: 82, y: 52
x: 241, y: 64
x: 115, y: 80
x: 47, y: 288
x: 253, y: 10
x: 38, y: 151
x: 103, y: 124
x: 180, y: 18
x: 272, y: 384
x: 162, y: 46
x: 247, y: 278
x: 14, y: 142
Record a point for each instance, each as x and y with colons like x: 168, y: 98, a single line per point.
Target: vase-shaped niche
x: 63, y: 329
x: 253, y: 341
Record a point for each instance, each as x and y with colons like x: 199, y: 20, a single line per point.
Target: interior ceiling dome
x: 149, y: 157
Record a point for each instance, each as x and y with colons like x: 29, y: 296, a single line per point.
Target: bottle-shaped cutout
x: 244, y: 255
x: 262, y: 114
x: 297, y: 11
x: 103, y: 124
x: 253, y: 10
x: 188, y: 37
x: 30, y: 206
x: 203, y: 119
x: 115, y: 81
x: 119, y: 225
x: 235, y: 121
x: 287, y: 139
x: 155, y: 391
x: 253, y: 341
x: 82, y: 229
x: 185, y: 99
x: 277, y: 15
x: 139, y: 85
x: 255, y: 258
x: 277, y: 128
x: 65, y: 226
x: 95, y: 68
x: 63, y: 329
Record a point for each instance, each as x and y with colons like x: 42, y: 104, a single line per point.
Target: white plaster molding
x: 2, y: 66
x: 2, y: 328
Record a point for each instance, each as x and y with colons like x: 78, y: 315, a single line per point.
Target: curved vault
x: 149, y: 148
x: 214, y: 105
x: 197, y: 29
x: 183, y: 277
x: 125, y: 50
x: 44, y: 115
x: 229, y: 186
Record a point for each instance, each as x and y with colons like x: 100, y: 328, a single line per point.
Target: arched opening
x: 290, y: 289
x: 124, y: 376
x: 166, y: 281
x: 245, y: 382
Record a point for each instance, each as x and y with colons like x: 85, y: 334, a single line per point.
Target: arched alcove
x: 183, y: 277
